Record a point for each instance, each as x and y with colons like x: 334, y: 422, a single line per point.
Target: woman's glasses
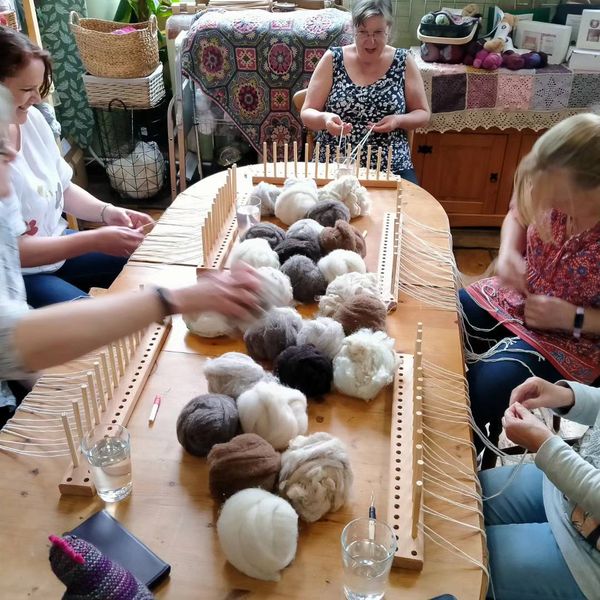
x: 378, y: 36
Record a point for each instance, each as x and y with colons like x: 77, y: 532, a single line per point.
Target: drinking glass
x: 247, y: 212
x: 108, y: 451
x: 368, y: 547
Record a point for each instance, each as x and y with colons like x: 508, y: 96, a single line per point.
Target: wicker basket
x: 141, y: 92
x: 105, y: 54
x: 10, y: 17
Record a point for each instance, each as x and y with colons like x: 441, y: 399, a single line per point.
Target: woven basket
x: 10, y: 16
x: 105, y: 54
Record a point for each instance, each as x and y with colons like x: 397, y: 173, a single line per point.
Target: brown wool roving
x: 343, y: 236
x: 361, y: 311
x: 205, y: 421
x: 272, y: 334
x: 293, y: 246
x: 306, y: 369
x: 267, y: 231
x: 308, y: 281
x: 328, y: 212
x: 247, y: 461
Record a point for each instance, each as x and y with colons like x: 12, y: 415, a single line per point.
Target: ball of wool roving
x: 304, y: 228
x: 340, y: 262
x: 325, y: 334
x: 296, y: 199
x: 293, y: 247
x: 209, y: 324
x: 273, y: 333
x: 267, y: 231
x: 315, y: 475
x: 308, y: 281
x: 361, y: 311
x: 343, y: 287
x: 349, y: 192
x: 232, y: 373
x: 256, y: 253
x: 343, y: 237
x: 273, y: 411
x: 276, y: 288
x: 205, y: 421
x: 365, y: 364
x: 306, y: 369
x: 258, y: 533
x: 267, y: 193
x: 247, y: 461
x: 328, y: 212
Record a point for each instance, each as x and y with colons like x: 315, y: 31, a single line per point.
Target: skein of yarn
x: 306, y: 369
x: 315, y: 475
x: 258, y: 533
x: 349, y: 192
x: 308, y: 281
x: 365, y: 364
x: 209, y: 324
x: 296, y: 199
x: 361, y: 311
x: 273, y: 411
x: 325, y: 334
x: 267, y: 193
x: 207, y: 420
x: 273, y: 333
x: 328, y: 212
x: 293, y: 247
x: 340, y: 262
x: 276, y: 289
x: 342, y: 236
x: 247, y: 461
x: 232, y: 373
x: 254, y: 252
x: 266, y: 231
x: 345, y: 286
x: 304, y: 228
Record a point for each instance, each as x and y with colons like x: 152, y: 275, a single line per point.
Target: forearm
x: 82, y: 204
x: 584, y: 407
x: 36, y: 251
x: 314, y: 119
x: 513, y: 236
x: 591, y: 322
x: 414, y: 119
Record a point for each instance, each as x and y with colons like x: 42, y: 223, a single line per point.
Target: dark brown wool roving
x: 293, y: 246
x: 247, y: 461
x: 306, y: 369
x: 267, y: 231
x: 205, y: 421
x: 343, y: 236
x: 328, y: 212
x: 361, y: 311
x: 307, y: 280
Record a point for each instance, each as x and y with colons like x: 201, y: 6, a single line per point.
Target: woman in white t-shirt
x: 57, y: 267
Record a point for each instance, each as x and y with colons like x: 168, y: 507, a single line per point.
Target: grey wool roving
x: 328, y: 212
x: 232, y: 374
x: 304, y: 229
x: 308, y: 281
x: 325, y: 334
x: 293, y: 247
x: 267, y: 231
x: 306, y: 369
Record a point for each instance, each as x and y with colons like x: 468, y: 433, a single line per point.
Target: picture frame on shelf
x: 589, y: 30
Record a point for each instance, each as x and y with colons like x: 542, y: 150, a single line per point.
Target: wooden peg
x: 368, y: 160
x: 105, y: 372
x: 327, y: 151
x: 99, y: 386
x: 119, y: 356
x: 306, y: 160
x: 265, y: 159
x: 337, y: 156
x: 92, y: 396
x: 234, y: 180
x: 69, y: 436
x: 274, y: 159
x: 357, y: 165
x: 317, y: 153
x: 389, y: 163
x: 295, y: 158
x: 378, y: 171
x: 285, y: 159
x: 86, y: 408
x: 77, y: 415
x: 418, y: 496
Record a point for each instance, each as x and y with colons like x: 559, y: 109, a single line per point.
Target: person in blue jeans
x: 543, y: 530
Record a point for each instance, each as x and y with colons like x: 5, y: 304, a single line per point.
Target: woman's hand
x: 548, y: 312
x: 117, y: 241
x: 512, y: 270
x: 335, y: 126
x: 124, y: 217
x: 387, y: 124
x: 536, y: 392
x: 523, y: 428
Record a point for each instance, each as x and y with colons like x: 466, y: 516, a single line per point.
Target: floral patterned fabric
x: 250, y: 63
x: 566, y: 268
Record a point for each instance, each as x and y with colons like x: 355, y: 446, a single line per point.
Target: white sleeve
x: 587, y: 403
x: 11, y: 366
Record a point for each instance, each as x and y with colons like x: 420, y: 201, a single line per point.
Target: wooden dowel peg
x: 117, y: 348
x: 69, y: 437
x: 265, y: 159
x: 234, y: 180
x: 368, y: 160
x: 285, y: 159
x: 378, y: 171
x: 109, y: 385
x: 418, y: 496
x: 77, y: 415
x: 337, y: 156
x: 295, y: 158
x: 99, y: 386
x: 389, y: 163
x: 306, y: 160
x: 357, y: 166
x: 274, y: 159
x: 327, y: 151
x: 86, y: 408
x: 348, y: 151
x: 317, y: 155
x: 92, y: 396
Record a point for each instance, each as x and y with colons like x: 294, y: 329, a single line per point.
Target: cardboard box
x: 585, y: 60
x: 545, y: 37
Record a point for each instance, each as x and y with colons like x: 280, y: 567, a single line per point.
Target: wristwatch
x: 578, y: 322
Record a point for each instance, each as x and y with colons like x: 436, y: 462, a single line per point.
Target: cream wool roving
x: 258, y: 533
x: 297, y: 198
x: 209, y: 324
x: 345, y: 286
x: 256, y: 253
x: 315, y: 475
x: 350, y: 192
x: 365, y: 364
x: 276, y: 288
x: 267, y: 193
x: 340, y: 262
x: 273, y: 411
x: 233, y: 373
x: 325, y: 334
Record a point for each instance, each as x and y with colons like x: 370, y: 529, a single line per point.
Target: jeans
x: 409, y: 175
x: 525, y: 561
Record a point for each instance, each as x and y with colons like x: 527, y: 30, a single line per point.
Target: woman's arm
x: 550, y: 313
x: 511, y: 266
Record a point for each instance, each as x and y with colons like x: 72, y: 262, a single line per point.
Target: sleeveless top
x: 363, y: 104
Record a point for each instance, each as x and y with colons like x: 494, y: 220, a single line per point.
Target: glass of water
x: 247, y: 212
x: 368, y: 547
x: 108, y: 451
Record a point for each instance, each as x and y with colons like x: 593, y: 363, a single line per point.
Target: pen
x: 372, y: 517
x: 154, y: 410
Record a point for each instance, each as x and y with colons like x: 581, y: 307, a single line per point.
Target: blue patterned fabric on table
x: 250, y: 63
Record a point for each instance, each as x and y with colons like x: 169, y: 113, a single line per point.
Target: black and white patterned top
x: 360, y: 105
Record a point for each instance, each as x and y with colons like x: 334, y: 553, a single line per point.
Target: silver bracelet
x: 106, y: 205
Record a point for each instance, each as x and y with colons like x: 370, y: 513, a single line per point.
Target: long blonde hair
x: 572, y: 145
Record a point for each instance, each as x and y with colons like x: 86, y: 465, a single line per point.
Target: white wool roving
x: 350, y: 192
x: 297, y: 198
x: 258, y: 533
x: 315, y: 475
x: 233, y: 373
x: 339, y: 262
x: 255, y: 252
x: 209, y: 324
x: 267, y: 193
x: 273, y: 411
x: 325, y: 334
x: 365, y: 364
x: 345, y: 286
x: 299, y: 227
x: 276, y: 289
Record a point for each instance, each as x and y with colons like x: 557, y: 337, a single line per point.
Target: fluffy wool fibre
x: 273, y: 333
x: 304, y: 228
x: 293, y: 246
x: 276, y: 289
x: 267, y: 193
x: 266, y: 231
x: 328, y: 212
x: 205, y: 421
x: 350, y: 192
x: 273, y: 411
x: 296, y: 199
x: 340, y: 262
x: 247, y: 461
x: 258, y: 533
x: 342, y: 236
x: 308, y: 282
x: 315, y: 476
x: 232, y: 373
x: 306, y: 369
x: 209, y: 324
x: 256, y: 253
x: 361, y: 311
x: 344, y: 287
x: 325, y: 334
x: 365, y: 364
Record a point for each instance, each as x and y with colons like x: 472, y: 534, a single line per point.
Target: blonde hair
x: 6, y: 107
x: 572, y: 145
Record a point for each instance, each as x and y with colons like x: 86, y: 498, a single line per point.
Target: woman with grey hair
x: 368, y: 86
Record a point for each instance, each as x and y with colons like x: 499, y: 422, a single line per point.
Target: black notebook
x: 111, y: 538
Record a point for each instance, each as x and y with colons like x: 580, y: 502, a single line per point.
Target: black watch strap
x: 578, y: 321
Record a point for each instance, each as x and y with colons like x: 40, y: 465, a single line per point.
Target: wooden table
x: 170, y: 508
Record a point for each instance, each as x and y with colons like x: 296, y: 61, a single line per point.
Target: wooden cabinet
x: 471, y: 172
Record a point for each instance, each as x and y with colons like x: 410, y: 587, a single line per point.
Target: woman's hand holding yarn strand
x: 388, y: 124
x: 525, y: 429
x: 116, y: 241
x: 548, y: 312
x: 536, y: 392
x: 335, y: 126
x: 512, y: 270
x: 124, y: 217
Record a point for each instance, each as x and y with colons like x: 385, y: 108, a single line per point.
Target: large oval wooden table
x: 170, y: 508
